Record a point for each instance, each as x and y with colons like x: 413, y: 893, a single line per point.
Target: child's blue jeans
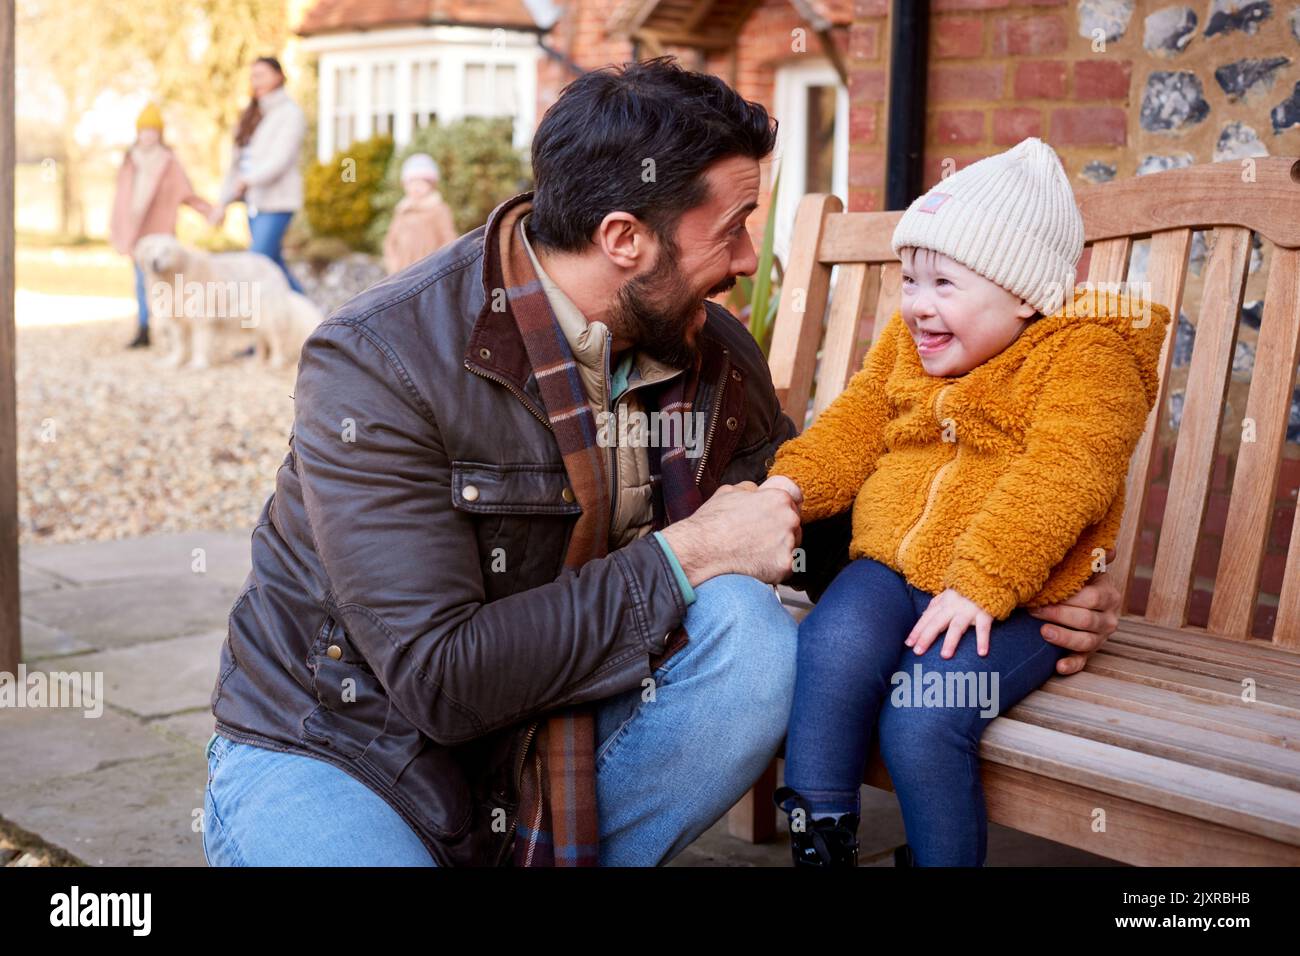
x: 855, y: 674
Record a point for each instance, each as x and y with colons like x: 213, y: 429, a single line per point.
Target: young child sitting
x: 983, y: 447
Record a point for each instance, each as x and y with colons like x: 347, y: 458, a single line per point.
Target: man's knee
x: 752, y: 640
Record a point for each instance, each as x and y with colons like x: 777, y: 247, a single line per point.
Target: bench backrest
x: 1161, y: 213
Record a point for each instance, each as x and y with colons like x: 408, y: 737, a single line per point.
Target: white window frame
x: 450, y: 48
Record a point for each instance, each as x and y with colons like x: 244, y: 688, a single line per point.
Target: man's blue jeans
x: 666, y: 768
x: 266, y: 230
x: 855, y: 670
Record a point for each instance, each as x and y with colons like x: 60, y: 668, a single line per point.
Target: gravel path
x: 110, y: 445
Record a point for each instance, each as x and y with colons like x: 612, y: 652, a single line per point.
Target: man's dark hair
x: 591, y: 149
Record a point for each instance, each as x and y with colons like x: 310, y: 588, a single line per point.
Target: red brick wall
x: 766, y: 41
x: 1001, y: 71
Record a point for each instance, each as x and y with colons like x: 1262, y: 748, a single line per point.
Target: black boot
x: 825, y: 842
x: 903, y: 856
x: 141, y: 339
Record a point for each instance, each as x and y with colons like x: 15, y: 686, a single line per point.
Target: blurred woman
x: 264, y: 162
x: 151, y: 186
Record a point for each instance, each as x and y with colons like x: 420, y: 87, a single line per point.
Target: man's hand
x: 741, y: 529
x: 1083, y: 622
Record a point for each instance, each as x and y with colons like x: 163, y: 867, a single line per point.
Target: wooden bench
x: 1183, y: 738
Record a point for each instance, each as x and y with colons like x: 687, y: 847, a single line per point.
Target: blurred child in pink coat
x: 151, y: 186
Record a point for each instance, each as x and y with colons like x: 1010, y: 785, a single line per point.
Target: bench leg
x: 753, y: 819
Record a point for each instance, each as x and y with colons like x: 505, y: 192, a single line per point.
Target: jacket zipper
x: 613, y: 445
x: 517, y: 393
x: 713, y: 422
x: 519, y: 779
x: 934, y: 482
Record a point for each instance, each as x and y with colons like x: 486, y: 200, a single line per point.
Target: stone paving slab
x: 135, y: 813
x: 114, y: 614
x: 42, y: 641
x: 157, y: 678
x: 33, y: 580
x: 227, y: 556
x: 38, y: 746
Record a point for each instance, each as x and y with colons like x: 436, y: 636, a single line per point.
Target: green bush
x: 338, y: 195
x: 478, y: 165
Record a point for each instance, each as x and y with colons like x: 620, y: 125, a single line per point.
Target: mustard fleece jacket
x: 1005, y: 483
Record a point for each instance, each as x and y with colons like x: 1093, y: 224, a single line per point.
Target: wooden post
x: 10, y: 637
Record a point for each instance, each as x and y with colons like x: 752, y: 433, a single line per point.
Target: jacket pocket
x: 524, y: 514
x: 352, y: 705
x: 521, y: 488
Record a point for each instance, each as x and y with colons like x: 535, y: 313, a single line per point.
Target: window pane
x: 821, y: 139
x: 385, y: 81
x: 505, y: 89
x: 424, y: 86
x: 476, y: 88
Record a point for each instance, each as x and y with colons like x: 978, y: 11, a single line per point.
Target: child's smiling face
x: 958, y: 318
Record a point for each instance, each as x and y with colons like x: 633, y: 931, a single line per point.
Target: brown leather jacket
x: 375, y: 630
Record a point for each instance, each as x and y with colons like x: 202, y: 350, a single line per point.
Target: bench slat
x: 1198, y: 433
x: 1268, y: 406
x: 1135, y: 832
x: 1255, y: 653
x: 1237, y: 718
x: 887, y: 300
x: 1287, y: 630
x: 853, y: 292
x: 802, y: 306
x: 859, y: 237
x: 1159, y: 737
x: 1200, y: 686
x: 1205, y: 794
x: 1166, y: 270
x: 1109, y: 262
x: 1264, y: 678
x: 1212, y: 194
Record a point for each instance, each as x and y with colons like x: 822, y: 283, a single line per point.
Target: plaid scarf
x: 558, y: 822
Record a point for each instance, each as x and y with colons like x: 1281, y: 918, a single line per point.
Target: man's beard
x: 656, y: 310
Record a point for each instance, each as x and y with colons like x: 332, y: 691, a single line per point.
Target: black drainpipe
x: 909, y: 23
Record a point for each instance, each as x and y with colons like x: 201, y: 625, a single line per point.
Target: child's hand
x: 786, y: 485
x: 955, y: 613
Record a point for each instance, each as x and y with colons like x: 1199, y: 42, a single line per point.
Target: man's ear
x: 624, y: 239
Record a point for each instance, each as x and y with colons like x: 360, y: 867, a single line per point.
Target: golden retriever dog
x: 207, y: 304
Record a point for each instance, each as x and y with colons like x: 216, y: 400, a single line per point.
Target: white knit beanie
x: 1011, y: 218
x: 421, y: 166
